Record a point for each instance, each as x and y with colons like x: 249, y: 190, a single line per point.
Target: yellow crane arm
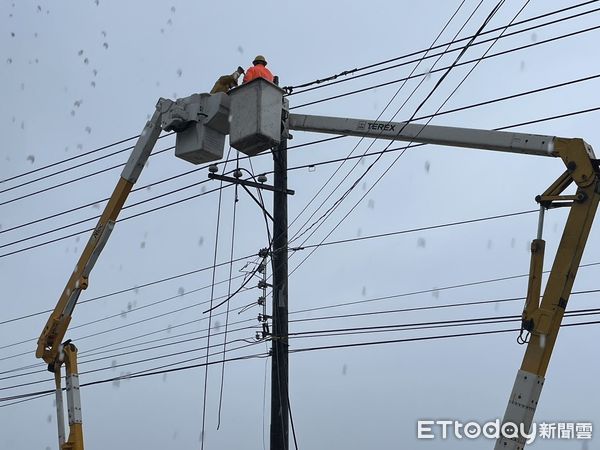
x: 543, y: 319
x: 50, y: 346
x: 58, y: 322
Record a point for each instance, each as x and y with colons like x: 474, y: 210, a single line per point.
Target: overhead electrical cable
x: 463, y: 63
x: 415, y: 53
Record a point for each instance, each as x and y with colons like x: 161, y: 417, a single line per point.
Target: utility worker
x: 227, y: 82
x: 258, y: 70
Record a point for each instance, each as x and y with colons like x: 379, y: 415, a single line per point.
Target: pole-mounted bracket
x: 253, y: 184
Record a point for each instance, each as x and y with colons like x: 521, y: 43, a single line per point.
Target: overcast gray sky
x: 78, y: 75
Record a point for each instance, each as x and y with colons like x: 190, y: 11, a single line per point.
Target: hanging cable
x: 231, y: 254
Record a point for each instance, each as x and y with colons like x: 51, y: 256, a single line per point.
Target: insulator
x: 262, y: 178
x: 213, y: 168
x: 237, y: 173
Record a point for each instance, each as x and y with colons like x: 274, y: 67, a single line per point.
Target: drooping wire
x: 235, y: 201
x: 212, y: 291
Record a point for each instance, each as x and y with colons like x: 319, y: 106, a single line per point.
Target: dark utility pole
x: 279, y: 359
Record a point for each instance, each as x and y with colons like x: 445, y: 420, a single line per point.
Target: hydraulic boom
x: 541, y: 320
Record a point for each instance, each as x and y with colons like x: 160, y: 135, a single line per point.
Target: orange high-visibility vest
x: 258, y: 71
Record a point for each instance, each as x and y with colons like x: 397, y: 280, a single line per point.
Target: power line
x: 442, y: 45
x: 39, y: 394
x: 44, y: 177
x: 450, y: 111
x: 454, y: 41
x: 204, y: 167
x: 141, y: 374
x: 131, y: 352
x: 312, y: 246
x: 338, y: 202
x: 493, y: 55
x: 314, y: 164
x: 409, y: 326
x: 73, y: 180
x: 343, y: 161
x: 54, y: 164
x: 333, y: 77
x: 343, y: 241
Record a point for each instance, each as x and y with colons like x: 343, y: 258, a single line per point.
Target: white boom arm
x: 531, y: 144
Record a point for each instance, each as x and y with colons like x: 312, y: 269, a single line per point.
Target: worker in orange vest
x: 258, y: 70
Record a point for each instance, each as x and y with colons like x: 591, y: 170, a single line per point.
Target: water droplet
x: 359, y: 232
x: 179, y: 72
x: 240, y: 49
x: 435, y: 294
x: 31, y: 159
x: 180, y: 291
x: 533, y: 37
x: 49, y: 418
x: 421, y: 242
x: 344, y: 369
x: 513, y: 242
x: 88, y: 130
x: 371, y: 203
x: 364, y: 291
x: 143, y: 244
x: 173, y: 9
x: 200, y: 241
x: 217, y: 326
x: 427, y: 166
x: 105, y: 45
x: 489, y: 244
x: 80, y: 52
x: 93, y: 84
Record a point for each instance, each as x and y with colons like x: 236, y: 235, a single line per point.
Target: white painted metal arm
x: 531, y: 144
